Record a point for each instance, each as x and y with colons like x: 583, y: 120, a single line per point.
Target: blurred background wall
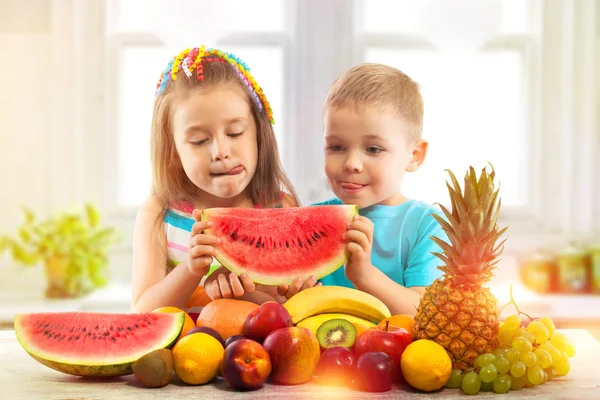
x: 512, y: 82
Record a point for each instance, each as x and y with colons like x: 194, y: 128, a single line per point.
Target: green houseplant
x: 71, y: 245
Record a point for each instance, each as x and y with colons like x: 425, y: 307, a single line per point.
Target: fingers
x: 247, y: 283
x: 224, y: 286
x: 236, y: 285
x: 359, y: 238
x: 294, y: 287
x: 282, y: 289
x: 200, y: 226
x: 355, y: 249
x: 310, y: 282
x: 203, y: 239
x: 201, y: 251
x: 199, y: 266
x: 197, y: 215
x: 363, y: 225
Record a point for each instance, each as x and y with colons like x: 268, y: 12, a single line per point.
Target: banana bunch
x: 336, y: 299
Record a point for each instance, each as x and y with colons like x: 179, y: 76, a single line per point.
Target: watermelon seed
x: 129, y: 328
x: 149, y: 322
x: 71, y: 330
x: 76, y: 337
x: 113, y: 339
x: 83, y: 330
x: 89, y: 333
x: 244, y: 239
x: 308, y: 241
x: 251, y: 242
x: 316, y: 235
x: 287, y: 244
x: 106, y: 333
x: 136, y: 325
x: 234, y: 235
x: 112, y: 329
x: 46, y: 332
x: 263, y: 245
x: 300, y: 243
x: 70, y: 338
x: 60, y: 338
x: 257, y: 244
x: 323, y: 234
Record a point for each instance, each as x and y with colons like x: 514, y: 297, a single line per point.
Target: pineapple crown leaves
x: 472, y: 252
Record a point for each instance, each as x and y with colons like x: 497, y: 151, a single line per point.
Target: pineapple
x: 457, y: 311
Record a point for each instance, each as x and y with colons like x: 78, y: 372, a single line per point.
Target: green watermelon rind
x: 104, y: 368
x: 275, y: 280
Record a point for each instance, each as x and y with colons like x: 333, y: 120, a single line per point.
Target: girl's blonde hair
x: 170, y: 184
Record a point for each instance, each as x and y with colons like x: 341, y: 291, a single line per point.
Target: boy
x: 373, y: 120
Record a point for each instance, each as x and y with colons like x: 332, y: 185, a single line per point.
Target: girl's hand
x: 360, y: 242
x: 223, y: 284
x: 201, y: 250
x: 297, y: 285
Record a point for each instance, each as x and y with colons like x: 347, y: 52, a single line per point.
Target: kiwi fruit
x: 154, y: 369
x: 336, y: 332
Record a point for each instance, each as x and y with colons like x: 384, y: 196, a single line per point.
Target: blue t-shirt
x: 401, y: 243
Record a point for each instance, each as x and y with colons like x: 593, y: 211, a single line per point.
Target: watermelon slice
x: 95, y: 344
x: 274, y: 246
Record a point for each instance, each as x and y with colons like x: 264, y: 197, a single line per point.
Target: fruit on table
x: 265, y: 319
x: 274, y: 246
x: 246, y: 365
x: 313, y: 323
x: 335, y: 333
x: 232, y: 339
x: 226, y: 316
x: 426, y: 365
x: 401, y: 321
x: 335, y: 299
x: 391, y: 342
x: 526, y: 357
x: 294, y: 354
x: 335, y: 367
x: 95, y: 344
x: 154, y: 369
x: 457, y: 311
x: 208, y: 331
x: 188, y: 323
x: 375, y: 372
x: 197, y: 358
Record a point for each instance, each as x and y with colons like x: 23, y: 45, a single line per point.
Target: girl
x: 212, y: 145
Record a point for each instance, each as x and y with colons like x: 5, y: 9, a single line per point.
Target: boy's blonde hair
x: 380, y: 86
x: 170, y: 184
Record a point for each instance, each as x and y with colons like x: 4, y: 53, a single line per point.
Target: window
x: 144, y: 35
x: 472, y: 98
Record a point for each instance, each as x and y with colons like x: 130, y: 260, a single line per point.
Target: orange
x: 401, y: 321
x: 188, y: 322
x: 197, y: 358
x: 360, y: 329
x: 226, y: 316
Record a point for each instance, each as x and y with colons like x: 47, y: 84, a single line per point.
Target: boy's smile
x: 367, y: 152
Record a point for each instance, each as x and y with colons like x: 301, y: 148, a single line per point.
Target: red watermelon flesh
x: 275, y: 246
x: 95, y: 344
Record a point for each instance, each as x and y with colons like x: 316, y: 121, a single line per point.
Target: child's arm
x: 366, y: 277
x: 152, y: 287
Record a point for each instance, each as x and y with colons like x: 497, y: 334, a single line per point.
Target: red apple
x: 335, y: 367
x: 246, y: 365
x: 265, y: 319
x: 375, y: 372
x: 294, y: 354
x: 391, y: 342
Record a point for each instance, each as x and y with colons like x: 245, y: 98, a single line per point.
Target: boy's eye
x: 234, y: 135
x: 199, y: 142
x: 373, y: 150
x: 335, y: 147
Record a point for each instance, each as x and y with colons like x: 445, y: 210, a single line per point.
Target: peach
x: 246, y: 365
x: 294, y: 354
x: 265, y: 319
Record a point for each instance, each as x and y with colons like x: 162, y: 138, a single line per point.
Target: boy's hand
x: 297, y: 285
x: 223, y: 284
x: 360, y: 242
x: 201, y: 250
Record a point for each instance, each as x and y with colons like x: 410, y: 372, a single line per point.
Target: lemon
x: 425, y: 365
x: 197, y: 358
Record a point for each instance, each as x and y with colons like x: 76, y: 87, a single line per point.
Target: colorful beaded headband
x: 190, y: 60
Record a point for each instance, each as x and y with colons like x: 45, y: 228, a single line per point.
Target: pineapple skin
x: 462, y: 320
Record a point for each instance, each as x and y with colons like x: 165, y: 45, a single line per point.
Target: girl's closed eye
x: 335, y: 147
x: 234, y: 135
x: 374, y: 150
x: 199, y: 142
